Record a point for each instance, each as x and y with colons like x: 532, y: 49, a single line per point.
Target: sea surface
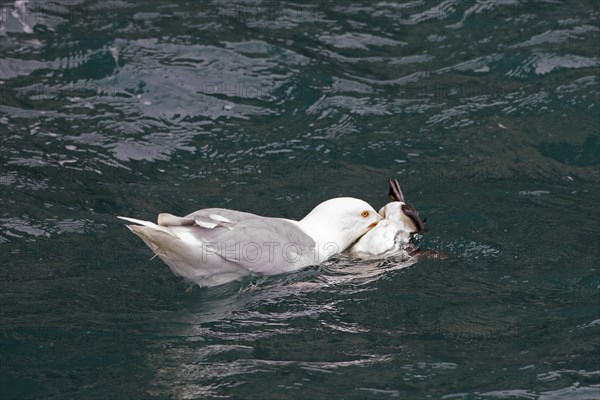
x: 487, y: 112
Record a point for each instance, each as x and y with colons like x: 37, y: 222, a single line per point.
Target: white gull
x: 214, y: 246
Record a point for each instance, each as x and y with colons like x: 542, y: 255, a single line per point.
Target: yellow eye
x: 364, y: 214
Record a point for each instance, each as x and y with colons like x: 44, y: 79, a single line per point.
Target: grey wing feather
x: 259, y: 244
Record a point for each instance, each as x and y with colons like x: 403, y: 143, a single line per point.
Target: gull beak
x: 374, y: 224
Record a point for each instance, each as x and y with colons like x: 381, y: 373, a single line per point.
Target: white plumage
x: 391, y: 236
x: 214, y: 246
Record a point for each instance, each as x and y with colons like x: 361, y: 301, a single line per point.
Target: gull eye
x: 364, y: 214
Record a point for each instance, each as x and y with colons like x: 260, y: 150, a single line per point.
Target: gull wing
x: 261, y: 245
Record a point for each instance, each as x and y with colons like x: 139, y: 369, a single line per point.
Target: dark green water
x: 486, y: 111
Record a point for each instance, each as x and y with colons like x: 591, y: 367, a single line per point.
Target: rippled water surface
x: 486, y: 111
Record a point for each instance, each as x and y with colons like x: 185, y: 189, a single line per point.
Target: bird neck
x: 329, y: 237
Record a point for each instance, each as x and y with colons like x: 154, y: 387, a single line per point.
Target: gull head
x: 341, y: 220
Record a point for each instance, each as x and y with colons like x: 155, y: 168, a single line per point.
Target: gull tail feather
x: 164, y: 243
x: 146, y: 224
